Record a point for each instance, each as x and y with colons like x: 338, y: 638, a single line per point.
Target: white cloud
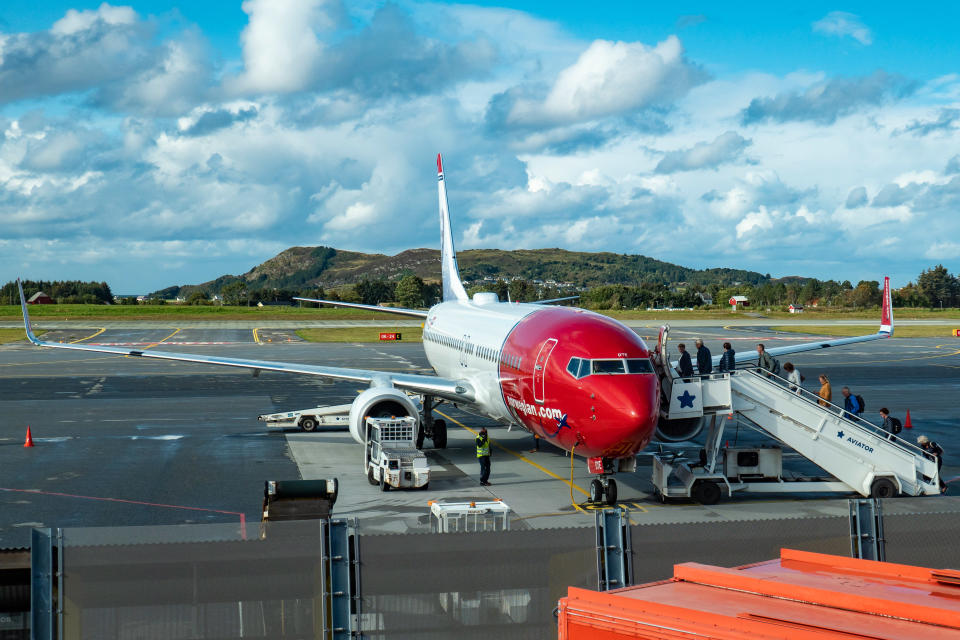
x: 75, y: 21
x: 727, y: 147
x: 281, y: 50
x: 841, y: 23
x: 609, y: 78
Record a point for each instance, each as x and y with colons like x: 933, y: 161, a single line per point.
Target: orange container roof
x: 801, y: 595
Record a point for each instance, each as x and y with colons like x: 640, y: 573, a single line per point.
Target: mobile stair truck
x: 391, y: 458
x: 859, y: 456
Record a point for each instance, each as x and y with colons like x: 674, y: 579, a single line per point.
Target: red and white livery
x: 580, y: 380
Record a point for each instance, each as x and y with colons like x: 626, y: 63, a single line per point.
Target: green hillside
x: 301, y: 268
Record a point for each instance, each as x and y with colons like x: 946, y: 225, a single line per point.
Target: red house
x: 40, y: 298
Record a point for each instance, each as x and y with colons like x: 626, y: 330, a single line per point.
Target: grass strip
x: 359, y: 334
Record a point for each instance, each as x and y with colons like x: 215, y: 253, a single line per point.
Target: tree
x: 938, y: 286
x: 198, y: 297
x: 235, y: 293
x: 409, y: 291
x: 374, y: 291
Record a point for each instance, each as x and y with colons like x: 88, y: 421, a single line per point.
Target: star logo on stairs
x: 686, y: 400
x: 839, y: 434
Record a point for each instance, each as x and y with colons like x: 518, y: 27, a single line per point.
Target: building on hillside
x: 40, y: 298
x: 705, y: 298
x: 795, y: 308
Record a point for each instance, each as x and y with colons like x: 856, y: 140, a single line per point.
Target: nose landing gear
x: 603, y: 489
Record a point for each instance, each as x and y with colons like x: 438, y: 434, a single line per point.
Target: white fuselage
x: 465, y: 340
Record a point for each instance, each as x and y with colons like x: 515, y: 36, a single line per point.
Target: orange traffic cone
x: 29, y: 440
x: 907, y: 424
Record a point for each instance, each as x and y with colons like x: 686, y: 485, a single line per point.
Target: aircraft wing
x: 885, y: 331
x: 456, y: 390
x: 552, y: 300
x: 401, y: 311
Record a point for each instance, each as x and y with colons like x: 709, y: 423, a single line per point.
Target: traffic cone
x: 907, y: 423
x: 29, y: 441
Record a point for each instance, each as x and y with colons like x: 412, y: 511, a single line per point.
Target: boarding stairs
x: 861, y: 456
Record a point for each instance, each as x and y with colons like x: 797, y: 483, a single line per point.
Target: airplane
x: 580, y: 380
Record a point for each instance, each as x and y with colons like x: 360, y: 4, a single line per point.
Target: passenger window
x: 639, y: 365
x: 608, y: 366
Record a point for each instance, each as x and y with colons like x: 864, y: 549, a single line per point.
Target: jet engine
x: 380, y: 402
x: 679, y: 430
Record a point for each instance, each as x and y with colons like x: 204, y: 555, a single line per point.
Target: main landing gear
x: 603, y: 489
x: 436, y: 430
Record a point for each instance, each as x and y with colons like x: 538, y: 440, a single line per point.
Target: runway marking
x: 956, y: 352
x: 243, y: 516
x: 256, y: 336
x: 517, y: 455
x: 153, y: 344
x: 93, y: 335
x: 175, y: 332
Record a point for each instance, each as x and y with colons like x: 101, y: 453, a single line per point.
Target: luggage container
x: 801, y: 595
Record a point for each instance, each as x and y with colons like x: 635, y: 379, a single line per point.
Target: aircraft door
x: 539, y: 369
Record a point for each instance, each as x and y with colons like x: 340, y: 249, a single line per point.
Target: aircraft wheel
x: 706, y: 492
x: 439, y: 434
x: 370, y: 477
x: 611, y: 492
x: 883, y: 488
x: 596, y: 491
x: 383, y: 483
x: 308, y: 424
x: 420, y: 436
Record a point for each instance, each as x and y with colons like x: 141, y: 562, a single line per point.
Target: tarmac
x: 126, y: 441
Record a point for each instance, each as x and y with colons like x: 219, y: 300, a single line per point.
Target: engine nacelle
x: 679, y: 430
x: 380, y: 402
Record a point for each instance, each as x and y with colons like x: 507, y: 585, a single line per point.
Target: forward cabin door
x: 539, y: 369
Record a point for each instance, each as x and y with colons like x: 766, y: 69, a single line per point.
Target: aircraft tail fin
x: 452, y: 286
x: 886, y: 310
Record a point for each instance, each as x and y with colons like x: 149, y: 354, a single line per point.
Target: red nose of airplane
x: 626, y: 413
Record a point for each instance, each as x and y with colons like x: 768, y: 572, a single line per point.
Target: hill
x: 311, y: 267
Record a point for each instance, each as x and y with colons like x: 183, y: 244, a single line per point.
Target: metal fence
x: 202, y: 581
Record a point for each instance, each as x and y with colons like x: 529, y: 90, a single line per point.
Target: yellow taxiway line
x: 175, y: 332
x: 256, y: 336
x: 92, y: 335
x: 517, y: 455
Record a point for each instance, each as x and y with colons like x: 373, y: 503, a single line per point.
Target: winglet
x: 26, y: 315
x: 886, y: 310
x: 452, y: 286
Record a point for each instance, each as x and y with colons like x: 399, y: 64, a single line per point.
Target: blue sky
x: 149, y: 144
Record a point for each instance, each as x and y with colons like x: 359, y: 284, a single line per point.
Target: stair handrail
x: 834, y: 409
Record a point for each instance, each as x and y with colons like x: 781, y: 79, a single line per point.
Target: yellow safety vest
x: 483, y: 449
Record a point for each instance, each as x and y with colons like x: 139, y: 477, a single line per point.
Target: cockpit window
x: 608, y: 366
x: 639, y: 365
x: 581, y: 367
x: 578, y: 367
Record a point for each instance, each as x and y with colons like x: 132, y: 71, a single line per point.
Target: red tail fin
x: 886, y: 312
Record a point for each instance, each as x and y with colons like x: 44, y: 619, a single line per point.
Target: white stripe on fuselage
x: 464, y: 340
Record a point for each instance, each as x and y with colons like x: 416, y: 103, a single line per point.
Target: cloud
x: 608, y: 79
x: 841, y: 24
x: 944, y: 122
x: 210, y: 121
x: 284, y: 54
x: 727, y: 147
x: 953, y: 165
x: 856, y: 198
x: 823, y: 103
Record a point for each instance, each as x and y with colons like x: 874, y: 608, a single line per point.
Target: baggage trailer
x: 391, y: 458
x: 336, y: 416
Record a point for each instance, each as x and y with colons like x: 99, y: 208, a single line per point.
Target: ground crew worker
x: 536, y: 444
x: 483, y: 456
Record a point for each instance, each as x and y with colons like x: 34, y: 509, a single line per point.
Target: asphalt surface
x: 126, y: 441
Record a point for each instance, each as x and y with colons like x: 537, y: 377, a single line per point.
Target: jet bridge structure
x: 859, y: 456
